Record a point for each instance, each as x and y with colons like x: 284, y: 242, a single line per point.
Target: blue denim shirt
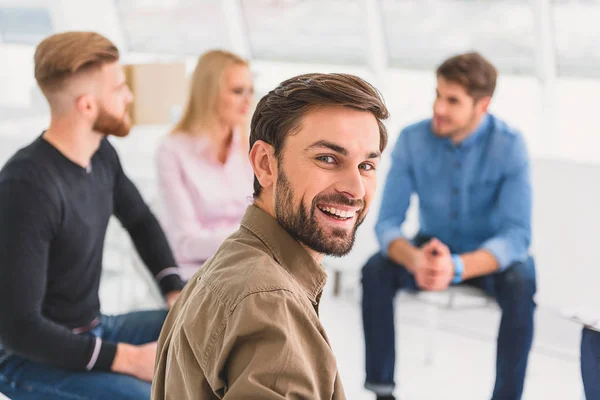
x: 472, y: 195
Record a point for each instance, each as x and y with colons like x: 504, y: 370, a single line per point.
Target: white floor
x: 465, y: 352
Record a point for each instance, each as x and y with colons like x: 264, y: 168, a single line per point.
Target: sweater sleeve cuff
x: 169, y: 280
x: 105, y: 356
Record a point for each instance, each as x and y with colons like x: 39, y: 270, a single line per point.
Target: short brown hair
x: 472, y: 71
x: 279, y: 113
x: 63, y: 55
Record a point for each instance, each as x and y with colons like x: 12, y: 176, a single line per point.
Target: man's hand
x: 137, y: 361
x: 171, y: 297
x: 437, y: 270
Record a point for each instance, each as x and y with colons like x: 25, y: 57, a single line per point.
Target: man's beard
x: 304, y: 227
x: 458, y: 131
x: 111, y: 125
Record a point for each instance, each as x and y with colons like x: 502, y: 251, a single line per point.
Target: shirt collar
x: 481, y: 129
x: 287, y: 251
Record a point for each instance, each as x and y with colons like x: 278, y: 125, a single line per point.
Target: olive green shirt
x: 246, y: 326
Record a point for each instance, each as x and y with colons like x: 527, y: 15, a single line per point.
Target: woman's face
x: 235, y: 95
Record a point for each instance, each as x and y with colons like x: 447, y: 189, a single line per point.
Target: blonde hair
x: 204, y: 89
x: 61, y: 56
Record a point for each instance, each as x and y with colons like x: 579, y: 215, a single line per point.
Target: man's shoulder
x: 503, y: 132
x: 417, y: 129
x: 505, y: 146
x: 415, y: 137
x: 107, y: 152
x: 241, y: 275
x: 244, y: 266
x: 29, y: 165
x: 504, y: 149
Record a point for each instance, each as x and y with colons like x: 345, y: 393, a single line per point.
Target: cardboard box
x: 160, y: 92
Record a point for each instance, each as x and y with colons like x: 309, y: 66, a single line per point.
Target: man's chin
x: 442, y: 133
x: 120, y: 134
x: 121, y: 131
x: 336, y: 243
x: 110, y: 126
x: 339, y: 249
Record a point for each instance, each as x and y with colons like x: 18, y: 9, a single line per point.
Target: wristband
x: 459, y: 267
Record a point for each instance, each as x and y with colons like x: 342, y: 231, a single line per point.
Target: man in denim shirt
x: 471, y: 174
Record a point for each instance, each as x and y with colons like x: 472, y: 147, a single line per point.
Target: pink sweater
x: 201, y: 200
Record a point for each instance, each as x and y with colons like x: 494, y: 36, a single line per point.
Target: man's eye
x: 367, y: 167
x: 326, y: 159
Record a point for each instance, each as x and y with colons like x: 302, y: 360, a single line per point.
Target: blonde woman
x: 205, y: 178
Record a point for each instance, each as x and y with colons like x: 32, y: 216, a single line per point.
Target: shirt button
x: 454, y: 215
x: 457, y: 164
x: 455, y: 191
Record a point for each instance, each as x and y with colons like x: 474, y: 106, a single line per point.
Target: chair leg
x: 142, y: 275
x: 431, y: 335
x: 337, y: 282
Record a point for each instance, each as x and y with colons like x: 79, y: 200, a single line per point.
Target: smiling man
x: 247, y: 324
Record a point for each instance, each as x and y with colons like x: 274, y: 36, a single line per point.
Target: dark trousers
x: 590, y: 363
x: 512, y: 288
x: 21, y: 379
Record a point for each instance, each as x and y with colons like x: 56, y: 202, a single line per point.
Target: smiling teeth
x: 339, y: 213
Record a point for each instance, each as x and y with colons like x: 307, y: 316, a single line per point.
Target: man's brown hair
x: 473, y: 72
x: 279, y: 113
x: 64, y: 55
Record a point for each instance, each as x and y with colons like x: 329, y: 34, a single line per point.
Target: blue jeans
x: 513, y: 289
x: 590, y: 363
x: 23, y: 379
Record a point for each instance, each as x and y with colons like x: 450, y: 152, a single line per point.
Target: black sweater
x: 53, y: 220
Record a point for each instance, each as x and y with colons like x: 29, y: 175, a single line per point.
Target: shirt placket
x: 455, y: 192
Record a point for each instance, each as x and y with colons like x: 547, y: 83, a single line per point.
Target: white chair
x: 455, y: 298
x: 588, y: 317
x: 131, y: 284
x: 152, y: 296
x: 115, y: 268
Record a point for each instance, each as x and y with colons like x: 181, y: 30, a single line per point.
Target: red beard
x: 111, y: 125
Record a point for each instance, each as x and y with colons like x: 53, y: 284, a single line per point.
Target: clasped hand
x: 433, y: 269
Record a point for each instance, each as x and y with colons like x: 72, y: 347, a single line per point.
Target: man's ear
x: 262, y: 159
x: 483, y: 103
x: 86, y: 106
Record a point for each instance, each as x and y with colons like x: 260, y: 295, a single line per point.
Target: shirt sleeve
x: 398, y: 188
x: 273, y: 350
x: 191, y: 240
x: 145, y: 231
x: 29, y: 220
x: 511, y: 243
